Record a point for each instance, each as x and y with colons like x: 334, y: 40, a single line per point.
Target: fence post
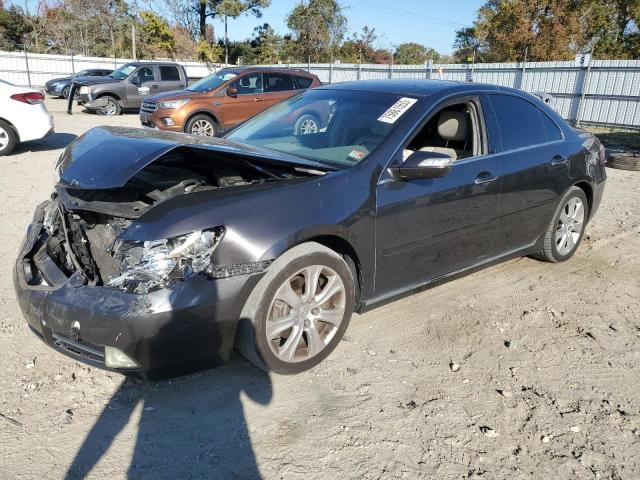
x: 427, y: 69
x: 584, y: 88
x: 359, y: 77
x: 73, y: 67
x: 391, y: 70
x: 26, y: 61
x: 331, y: 72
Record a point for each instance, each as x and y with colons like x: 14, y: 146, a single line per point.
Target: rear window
x: 169, y: 74
x: 303, y: 82
x: 522, y: 124
x: 279, y: 82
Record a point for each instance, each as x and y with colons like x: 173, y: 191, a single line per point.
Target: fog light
x: 168, y: 121
x: 114, y: 358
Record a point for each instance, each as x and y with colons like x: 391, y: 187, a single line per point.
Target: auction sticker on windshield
x: 397, y: 110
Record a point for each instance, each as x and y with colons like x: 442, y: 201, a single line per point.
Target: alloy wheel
x: 570, y: 224
x: 110, y: 108
x: 308, y: 127
x: 202, y: 127
x: 305, y: 313
x: 4, y: 138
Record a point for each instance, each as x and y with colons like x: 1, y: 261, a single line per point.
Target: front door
x: 141, y: 84
x: 426, y: 228
x: 245, y: 102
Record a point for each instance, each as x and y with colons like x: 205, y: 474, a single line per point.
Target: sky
x: 430, y: 22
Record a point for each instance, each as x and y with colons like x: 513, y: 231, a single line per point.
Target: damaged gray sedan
x: 158, y: 253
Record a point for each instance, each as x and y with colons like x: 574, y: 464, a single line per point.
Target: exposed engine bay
x: 83, y: 226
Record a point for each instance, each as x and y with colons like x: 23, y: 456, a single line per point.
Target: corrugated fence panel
x: 611, y: 88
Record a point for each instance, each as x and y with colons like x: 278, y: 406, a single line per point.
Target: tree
x: 414, y: 54
x: 14, y: 26
x: 267, y: 44
x: 318, y: 27
x: 157, y: 34
x: 359, y: 48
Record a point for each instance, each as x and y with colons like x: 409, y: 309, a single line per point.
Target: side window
x: 145, y: 74
x: 248, y: 84
x: 279, y: 82
x: 303, y: 82
x: 521, y: 123
x: 452, y: 131
x: 169, y: 74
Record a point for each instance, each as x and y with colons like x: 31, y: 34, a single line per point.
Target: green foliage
x: 14, y: 26
x: 359, y: 48
x: 208, y: 53
x: 157, y: 34
x: 318, y: 28
x: 415, y: 54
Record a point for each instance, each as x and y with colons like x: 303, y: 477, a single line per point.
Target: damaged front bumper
x: 167, y: 332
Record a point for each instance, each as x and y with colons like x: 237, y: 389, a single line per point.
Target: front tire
x: 298, y: 312
x: 8, y: 138
x: 566, y: 229
x: 65, y: 92
x: 202, y: 125
x: 112, y: 108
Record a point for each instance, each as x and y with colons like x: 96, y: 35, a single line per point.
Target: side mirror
x: 423, y: 165
x: 232, y: 92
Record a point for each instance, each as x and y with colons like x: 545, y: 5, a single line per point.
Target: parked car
x: 159, y: 251
x: 126, y: 87
x: 59, y: 87
x: 23, y: 116
x: 226, y: 98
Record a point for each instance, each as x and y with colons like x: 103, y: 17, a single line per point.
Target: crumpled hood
x: 107, y: 157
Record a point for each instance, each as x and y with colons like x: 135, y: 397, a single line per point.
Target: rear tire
x: 8, y: 138
x: 307, y: 124
x: 287, y: 327
x: 566, y: 229
x: 202, y: 125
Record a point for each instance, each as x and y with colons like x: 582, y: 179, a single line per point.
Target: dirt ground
x: 548, y: 384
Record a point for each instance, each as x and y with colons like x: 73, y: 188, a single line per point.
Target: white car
x: 23, y: 116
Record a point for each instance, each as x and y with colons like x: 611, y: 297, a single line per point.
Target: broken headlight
x: 149, y: 265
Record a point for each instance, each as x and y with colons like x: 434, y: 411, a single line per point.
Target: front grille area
x: 149, y: 107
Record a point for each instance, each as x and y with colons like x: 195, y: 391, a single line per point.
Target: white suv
x: 23, y: 116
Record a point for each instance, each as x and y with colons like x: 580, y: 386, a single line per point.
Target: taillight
x: 602, y: 155
x: 29, y: 97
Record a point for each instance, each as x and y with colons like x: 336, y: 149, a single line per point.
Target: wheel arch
x: 13, y: 127
x: 109, y: 94
x: 588, y: 191
x: 201, y: 112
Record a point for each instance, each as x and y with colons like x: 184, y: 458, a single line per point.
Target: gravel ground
x: 522, y: 370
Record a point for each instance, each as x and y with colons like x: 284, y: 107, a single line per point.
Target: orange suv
x: 226, y: 98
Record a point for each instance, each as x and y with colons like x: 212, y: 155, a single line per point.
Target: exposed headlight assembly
x: 174, y: 103
x: 150, y: 265
x: 85, y: 90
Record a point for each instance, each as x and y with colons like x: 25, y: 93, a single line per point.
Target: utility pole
x: 226, y: 41
x: 133, y: 41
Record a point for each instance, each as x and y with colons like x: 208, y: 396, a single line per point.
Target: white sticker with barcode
x: 397, y: 110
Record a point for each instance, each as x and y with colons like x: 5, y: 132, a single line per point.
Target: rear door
x: 170, y: 78
x: 534, y: 161
x: 277, y: 87
x: 247, y: 101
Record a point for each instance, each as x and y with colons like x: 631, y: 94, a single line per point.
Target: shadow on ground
x: 192, y: 427
x: 54, y: 141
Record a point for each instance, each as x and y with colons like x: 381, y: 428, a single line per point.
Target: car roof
x: 144, y: 64
x: 422, y: 88
x: 269, y: 69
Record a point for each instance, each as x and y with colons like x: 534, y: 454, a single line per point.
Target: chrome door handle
x: 558, y: 160
x: 485, y: 177
x: 258, y: 99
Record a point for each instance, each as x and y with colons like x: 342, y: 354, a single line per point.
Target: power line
x: 414, y: 15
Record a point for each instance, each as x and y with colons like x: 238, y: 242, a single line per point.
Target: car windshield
x: 339, y: 128
x: 122, y: 72
x: 213, y: 81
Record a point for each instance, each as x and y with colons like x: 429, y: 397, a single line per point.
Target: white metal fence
x: 34, y: 69
x: 602, y: 92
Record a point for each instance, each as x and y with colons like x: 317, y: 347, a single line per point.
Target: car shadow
x: 54, y: 141
x: 191, y: 427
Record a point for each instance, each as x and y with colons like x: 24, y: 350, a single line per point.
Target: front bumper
x: 55, y: 90
x: 168, y: 332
